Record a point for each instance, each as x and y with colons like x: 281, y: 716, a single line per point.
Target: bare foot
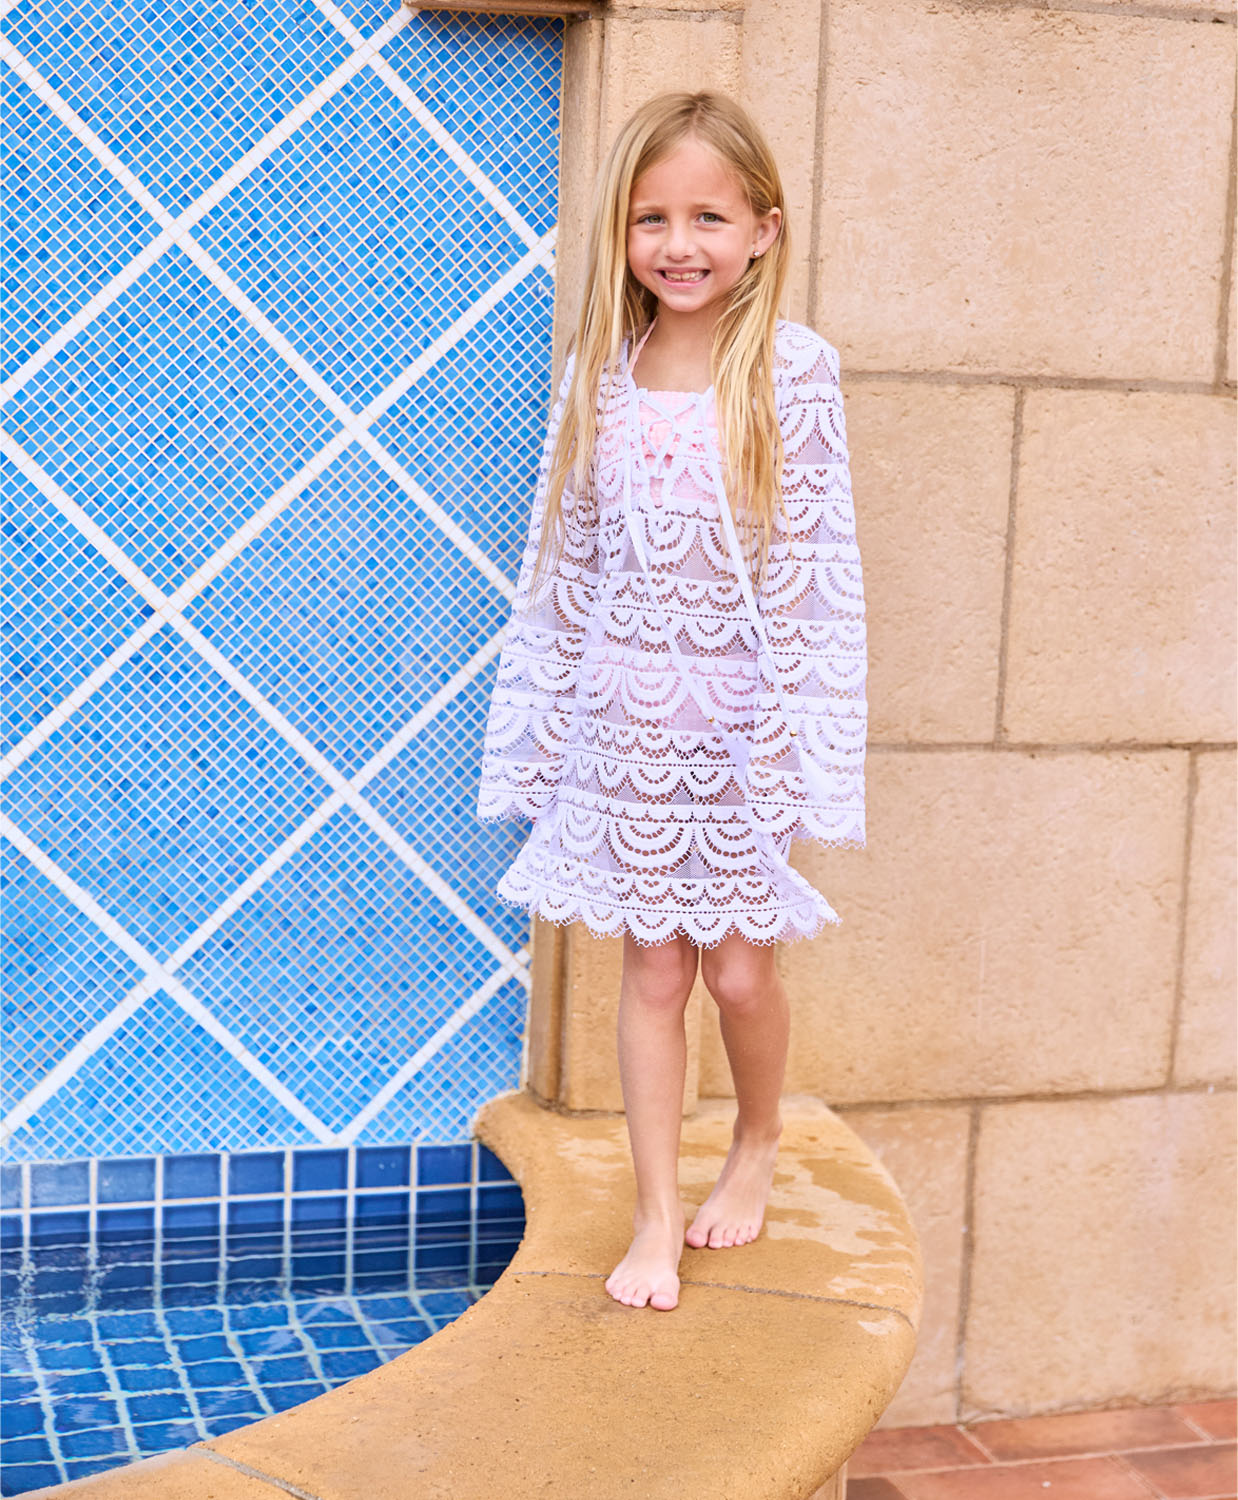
x: 648, y: 1273
x: 733, y: 1212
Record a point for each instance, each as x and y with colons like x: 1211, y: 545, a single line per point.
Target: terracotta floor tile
x: 1060, y: 1479
x: 895, y: 1448
x: 1082, y: 1432
x: 1188, y: 1473
x: 872, y: 1489
x: 1219, y: 1419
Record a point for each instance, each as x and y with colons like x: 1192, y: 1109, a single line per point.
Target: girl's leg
x: 657, y: 980
x: 755, y: 1019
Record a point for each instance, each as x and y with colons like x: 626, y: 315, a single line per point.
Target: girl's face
x: 691, y: 232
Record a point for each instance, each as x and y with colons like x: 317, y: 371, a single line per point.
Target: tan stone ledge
x: 780, y: 1357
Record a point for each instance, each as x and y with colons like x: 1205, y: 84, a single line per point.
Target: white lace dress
x: 640, y: 822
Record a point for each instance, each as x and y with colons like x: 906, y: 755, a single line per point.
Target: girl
x: 681, y: 690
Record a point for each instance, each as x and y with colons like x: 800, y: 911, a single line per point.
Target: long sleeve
x: 534, y: 691
x: 812, y: 608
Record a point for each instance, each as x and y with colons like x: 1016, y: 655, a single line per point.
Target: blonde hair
x: 615, y: 305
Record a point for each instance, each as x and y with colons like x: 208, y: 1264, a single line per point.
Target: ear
x: 765, y: 231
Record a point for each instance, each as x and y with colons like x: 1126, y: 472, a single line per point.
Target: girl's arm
x: 812, y: 606
x: 534, y: 691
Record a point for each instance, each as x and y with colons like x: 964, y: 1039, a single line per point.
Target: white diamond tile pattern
x: 275, y: 376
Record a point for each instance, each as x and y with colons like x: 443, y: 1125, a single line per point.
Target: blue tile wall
x: 259, y: 913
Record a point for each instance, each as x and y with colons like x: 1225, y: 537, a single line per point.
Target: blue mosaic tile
x: 103, y: 1442
x: 15, y: 1479
x: 383, y: 1166
x: 159, y: 1406
x: 127, y: 1180
x: 256, y: 1172
x: 32, y: 1450
x: 441, y: 1165
x: 77, y: 1412
x: 59, y: 1183
x: 10, y: 1231
x: 125, y: 1225
x: 316, y: 1171
x: 489, y: 1167
x: 191, y: 1176
x: 64, y: 1228
x: 10, y: 1187
x: 21, y: 1419
x: 159, y: 1437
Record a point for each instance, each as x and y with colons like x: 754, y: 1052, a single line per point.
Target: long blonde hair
x: 616, y: 306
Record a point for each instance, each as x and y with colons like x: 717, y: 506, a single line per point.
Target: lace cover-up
x: 639, y: 816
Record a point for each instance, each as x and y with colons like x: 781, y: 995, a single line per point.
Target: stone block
x: 1103, y: 1267
x: 1024, y: 190
x: 930, y: 470
x: 925, y: 1150
x: 1011, y: 927
x: 1122, y: 609
x: 1207, y: 1035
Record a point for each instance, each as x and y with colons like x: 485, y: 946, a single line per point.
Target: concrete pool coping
x: 777, y: 1362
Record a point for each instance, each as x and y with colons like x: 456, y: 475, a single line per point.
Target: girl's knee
x: 737, y: 982
x: 660, y: 975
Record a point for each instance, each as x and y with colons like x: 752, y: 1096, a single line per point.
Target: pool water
x: 128, y: 1331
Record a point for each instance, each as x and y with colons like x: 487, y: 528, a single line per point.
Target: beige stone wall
x: 1016, y: 223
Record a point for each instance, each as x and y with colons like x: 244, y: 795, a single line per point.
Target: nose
x: 679, y: 244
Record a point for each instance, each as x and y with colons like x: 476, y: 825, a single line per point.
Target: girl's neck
x: 675, y: 352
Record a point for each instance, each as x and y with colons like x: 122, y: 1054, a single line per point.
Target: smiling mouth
x: 683, y: 278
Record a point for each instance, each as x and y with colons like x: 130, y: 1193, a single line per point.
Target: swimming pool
x: 149, y: 1302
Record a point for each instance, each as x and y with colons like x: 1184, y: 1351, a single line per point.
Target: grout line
x: 1184, y: 896
x: 234, y: 1463
x: 1003, y: 633
x: 1049, y: 747
x: 1027, y: 379
x: 1227, y: 250
x: 733, y: 1286
x: 967, y: 1255
x: 812, y: 309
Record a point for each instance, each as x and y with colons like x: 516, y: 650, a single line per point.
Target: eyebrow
x: 714, y: 204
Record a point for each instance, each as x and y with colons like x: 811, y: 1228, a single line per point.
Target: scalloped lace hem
x: 647, y: 928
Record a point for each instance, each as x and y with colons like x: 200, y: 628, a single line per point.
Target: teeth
x: 683, y: 275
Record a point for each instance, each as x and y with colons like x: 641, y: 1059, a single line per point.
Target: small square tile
x: 127, y: 1179
x: 260, y: 1315
x: 64, y: 1228
x: 255, y: 1216
x: 10, y: 1187
x: 343, y: 1364
x: 337, y: 1336
x: 80, y: 1383
x: 444, y: 1206
x: 279, y: 1369
x: 61, y: 1358
x: 18, y: 1478
x: 146, y: 1379
x: 282, y: 1397
x: 195, y: 1176
x: 27, y: 1450
x: 489, y: 1167
x: 159, y: 1406
x: 237, y: 1401
x: 218, y: 1426
x: 99, y: 1442
x: 319, y: 1170
x: 55, y: 1331
x: 196, y: 1322
x: 208, y: 1346
x: 138, y: 1352
x: 123, y: 1226
x: 373, y: 1209
x: 383, y: 1166
x: 319, y: 1213
x: 162, y: 1437
x: 505, y: 1202
x: 212, y: 1374
x: 76, y: 1412
x: 256, y: 1172
x: 83, y: 1468
x: 10, y: 1231
x: 18, y: 1386
x: 438, y: 1165
x: 270, y: 1341
x: 59, y: 1182
x: 185, y: 1220
x: 21, y: 1419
